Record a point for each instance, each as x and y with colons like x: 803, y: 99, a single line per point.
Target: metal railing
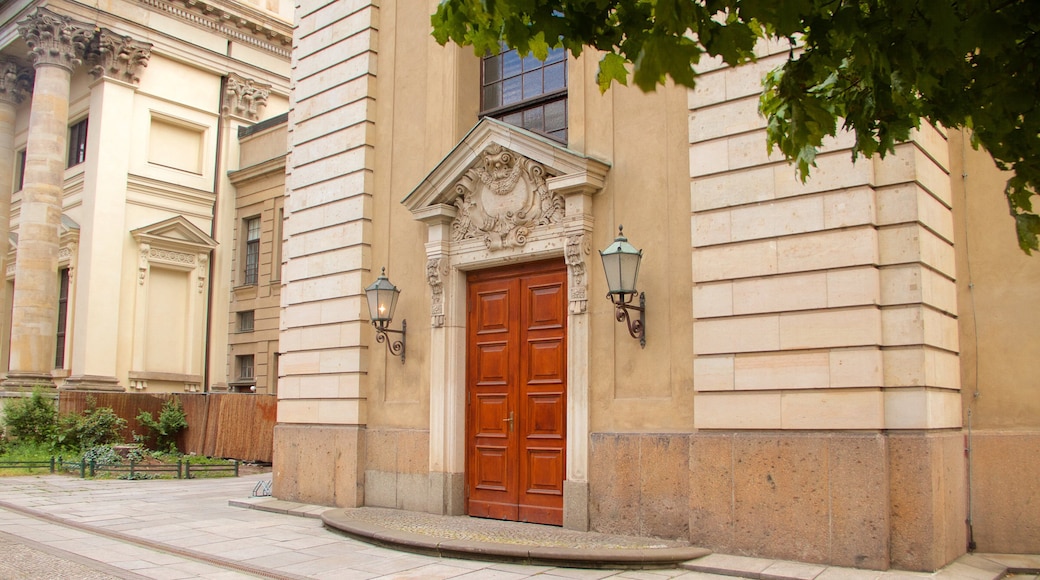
x: 180, y: 470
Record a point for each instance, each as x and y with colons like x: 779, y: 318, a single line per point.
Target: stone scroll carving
x: 436, y: 271
x: 502, y: 198
x: 574, y: 254
x: 116, y: 56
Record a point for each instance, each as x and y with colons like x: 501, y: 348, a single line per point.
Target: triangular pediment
x: 493, y: 136
x: 176, y: 232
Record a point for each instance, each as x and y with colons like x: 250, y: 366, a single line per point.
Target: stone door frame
x: 573, y: 177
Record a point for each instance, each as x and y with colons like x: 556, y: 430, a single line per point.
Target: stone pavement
x: 62, y: 527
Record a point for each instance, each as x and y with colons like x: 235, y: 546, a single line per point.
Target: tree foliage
x: 876, y: 68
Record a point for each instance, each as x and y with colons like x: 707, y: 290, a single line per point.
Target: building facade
x: 119, y: 127
x: 816, y: 355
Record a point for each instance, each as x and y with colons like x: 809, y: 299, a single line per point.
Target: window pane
x: 555, y: 76
x: 560, y: 136
x: 531, y: 63
x: 492, y: 96
x: 253, y: 227
x: 532, y: 84
x: 512, y: 91
x: 514, y: 119
x: 492, y: 69
x: 533, y: 120
x: 555, y: 116
x: 510, y: 64
x: 556, y: 54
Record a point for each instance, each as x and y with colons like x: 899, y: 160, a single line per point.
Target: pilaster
x: 15, y: 81
x: 56, y: 46
x: 326, y: 383
x: 821, y: 308
x: 115, y: 63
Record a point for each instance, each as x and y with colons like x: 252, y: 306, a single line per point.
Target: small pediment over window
x: 501, y: 184
x: 175, y: 233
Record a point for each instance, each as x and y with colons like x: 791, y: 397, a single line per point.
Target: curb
x: 613, y: 558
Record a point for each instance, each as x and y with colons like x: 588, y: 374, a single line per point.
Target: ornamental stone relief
x: 502, y: 198
x: 436, y: 271
x: 574, y: 254
x: 245, y: 97
x: 116, y: 56
x: 55, y: 39
x: 15, y: 82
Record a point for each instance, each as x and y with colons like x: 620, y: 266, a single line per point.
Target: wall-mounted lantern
x: 382, y: 301
x: 621, y: 265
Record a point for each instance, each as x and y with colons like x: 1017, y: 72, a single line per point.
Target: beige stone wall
x: 260, y: 188
x: 1001, y: 388
x: 131, y: 180
x: 397, y: 468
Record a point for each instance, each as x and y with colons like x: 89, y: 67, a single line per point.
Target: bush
x: 96, y: 426
x: 102, y: 454
x: 31, y: 420
x: 172, y: 421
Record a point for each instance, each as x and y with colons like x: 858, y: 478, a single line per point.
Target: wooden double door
x: 516, y: 393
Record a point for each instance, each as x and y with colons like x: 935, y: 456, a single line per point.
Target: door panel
x: 516, y: 393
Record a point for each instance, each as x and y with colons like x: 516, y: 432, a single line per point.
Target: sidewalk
x: 187, y: 529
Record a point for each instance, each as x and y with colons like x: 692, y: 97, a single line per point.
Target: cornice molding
x: 242, y: 23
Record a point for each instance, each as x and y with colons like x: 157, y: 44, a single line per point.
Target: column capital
x: 55, y: 39
x: 119, y: 57
x: 245, y: 97
x: 15, y: 82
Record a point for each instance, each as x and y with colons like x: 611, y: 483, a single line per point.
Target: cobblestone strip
x: 26, y: 559
x: 151, y: 545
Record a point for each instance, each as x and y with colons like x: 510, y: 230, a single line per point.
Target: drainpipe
x: 218, y: 170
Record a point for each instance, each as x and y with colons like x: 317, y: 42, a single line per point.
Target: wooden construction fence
x: 231, y: 425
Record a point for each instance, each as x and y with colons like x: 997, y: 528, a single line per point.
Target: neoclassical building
x: 118, y: 128
x: 835, y: 371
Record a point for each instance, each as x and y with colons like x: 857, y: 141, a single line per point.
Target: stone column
x: 15, y: 82
x: 56, y: 47
x: 115, y: 62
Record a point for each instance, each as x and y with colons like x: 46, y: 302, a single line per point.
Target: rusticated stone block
x: 858, y: 481
x: 639, y: 484
x: 711, y: 491
x: 664, y: 485
x: 780, y: 496
x: 614, y: 483
x: 319, y: 464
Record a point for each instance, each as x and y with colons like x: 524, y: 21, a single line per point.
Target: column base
x: 21, y: 381
x: 447, y: 494
x: 92, y: 383
x: 576, y: 505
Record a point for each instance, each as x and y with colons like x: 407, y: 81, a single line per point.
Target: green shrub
x: 101, y: 454
x: 31, y: 420
x: 96, y: 426
x: 172, y: 421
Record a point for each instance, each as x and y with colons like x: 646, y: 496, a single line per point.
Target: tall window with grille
x: 245, y: 367
x: 63, y: 314
x: 526, y: 92
x: 77, y: 143
x: 251, y: 226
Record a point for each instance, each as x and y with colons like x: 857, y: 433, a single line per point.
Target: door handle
x: 510, y: 421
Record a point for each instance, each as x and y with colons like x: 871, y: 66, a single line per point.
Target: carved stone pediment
x: 496, y: 184
x: 502, y: 198
x: 176, y: 233
x: 501, y: 195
